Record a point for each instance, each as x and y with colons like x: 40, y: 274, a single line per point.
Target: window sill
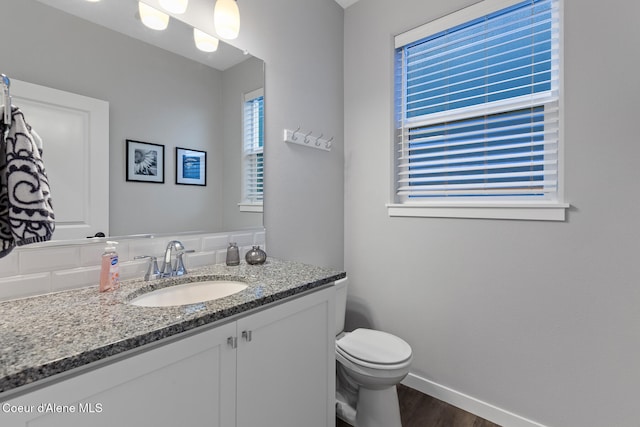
x: 250, y: 207
x: 519, y: 211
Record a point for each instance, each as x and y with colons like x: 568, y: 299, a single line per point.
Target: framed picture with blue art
x: 191, y: 167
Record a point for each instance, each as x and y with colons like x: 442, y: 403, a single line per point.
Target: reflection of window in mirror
x: 253, y: 152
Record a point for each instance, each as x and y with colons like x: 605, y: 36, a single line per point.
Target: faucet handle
x: 180, y: 269
x: 152, y: 270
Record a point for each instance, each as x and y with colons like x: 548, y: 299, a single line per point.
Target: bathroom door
x: 75, y: 134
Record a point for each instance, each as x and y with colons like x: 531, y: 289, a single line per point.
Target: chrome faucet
x: 168, y: 269
x: 177, y: 268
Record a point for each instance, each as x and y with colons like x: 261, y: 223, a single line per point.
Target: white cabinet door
x: 286, y: 364
x: 189, y: 382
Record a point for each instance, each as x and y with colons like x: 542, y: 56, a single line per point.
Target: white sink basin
x: 189, y: 293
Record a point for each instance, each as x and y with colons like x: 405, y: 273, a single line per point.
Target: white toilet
x: 369, y: 366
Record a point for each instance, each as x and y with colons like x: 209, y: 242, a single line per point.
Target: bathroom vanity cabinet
x: 272, y: 367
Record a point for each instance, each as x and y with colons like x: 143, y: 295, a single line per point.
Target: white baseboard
x: 468, y: 403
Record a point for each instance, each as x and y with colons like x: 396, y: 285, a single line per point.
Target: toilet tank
x: 341, y: 303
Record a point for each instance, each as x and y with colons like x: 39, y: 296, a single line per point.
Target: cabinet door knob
x: 246, y: 335
x: 232, y: 342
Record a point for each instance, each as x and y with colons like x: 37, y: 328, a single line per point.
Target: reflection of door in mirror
x: 75, y: 131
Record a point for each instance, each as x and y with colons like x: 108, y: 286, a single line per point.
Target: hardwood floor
x: 420, y: 410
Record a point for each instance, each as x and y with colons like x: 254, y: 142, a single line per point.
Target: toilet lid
x: 375, y: 347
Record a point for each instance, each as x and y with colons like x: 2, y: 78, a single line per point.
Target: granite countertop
x: 45, y: 335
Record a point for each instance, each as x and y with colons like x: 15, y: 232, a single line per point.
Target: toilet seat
x: 374, y: 349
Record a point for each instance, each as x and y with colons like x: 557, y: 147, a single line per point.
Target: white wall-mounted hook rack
x: 306, y: 139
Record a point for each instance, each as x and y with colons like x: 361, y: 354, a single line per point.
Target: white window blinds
x: 253, y: 148
x: 477, y: 108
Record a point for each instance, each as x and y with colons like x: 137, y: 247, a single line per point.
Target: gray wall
x: 541, y: 319
x: 154, y: 96
x: 301, y: 42
x: 236, y: 81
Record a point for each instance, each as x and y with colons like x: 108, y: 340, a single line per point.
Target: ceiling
x: 122, y: 16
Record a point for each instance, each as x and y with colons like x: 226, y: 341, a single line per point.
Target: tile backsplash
x: 40, y: 269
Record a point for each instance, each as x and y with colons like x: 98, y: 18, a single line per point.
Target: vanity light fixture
x: 226, y: 18
x: 93, y: 1
x: 153, y: 18
x: 204, y: 41
x: 175, y: 6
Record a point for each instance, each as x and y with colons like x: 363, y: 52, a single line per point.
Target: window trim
x: 552, y: 211
x: 541, y: 210
x: 251, y: 207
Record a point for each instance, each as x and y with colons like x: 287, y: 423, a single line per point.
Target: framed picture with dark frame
x: 191, y: 167
x: 145, y: 162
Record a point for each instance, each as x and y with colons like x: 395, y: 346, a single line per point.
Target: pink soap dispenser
x: 109, y: 272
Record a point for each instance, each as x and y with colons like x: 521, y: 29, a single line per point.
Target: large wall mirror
x: 161, y: 90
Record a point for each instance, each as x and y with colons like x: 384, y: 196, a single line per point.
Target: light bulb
x: 175, y: 6
x: 93, y: 1
x: 204, y: 41
x: 153, y: 18
x: 226, y: 18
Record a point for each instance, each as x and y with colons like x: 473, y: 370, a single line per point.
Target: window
x: 253, y: 152
x: 478, y: 116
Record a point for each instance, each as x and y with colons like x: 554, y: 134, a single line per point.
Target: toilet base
x: 345, y: 412
x: 378, y: 408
